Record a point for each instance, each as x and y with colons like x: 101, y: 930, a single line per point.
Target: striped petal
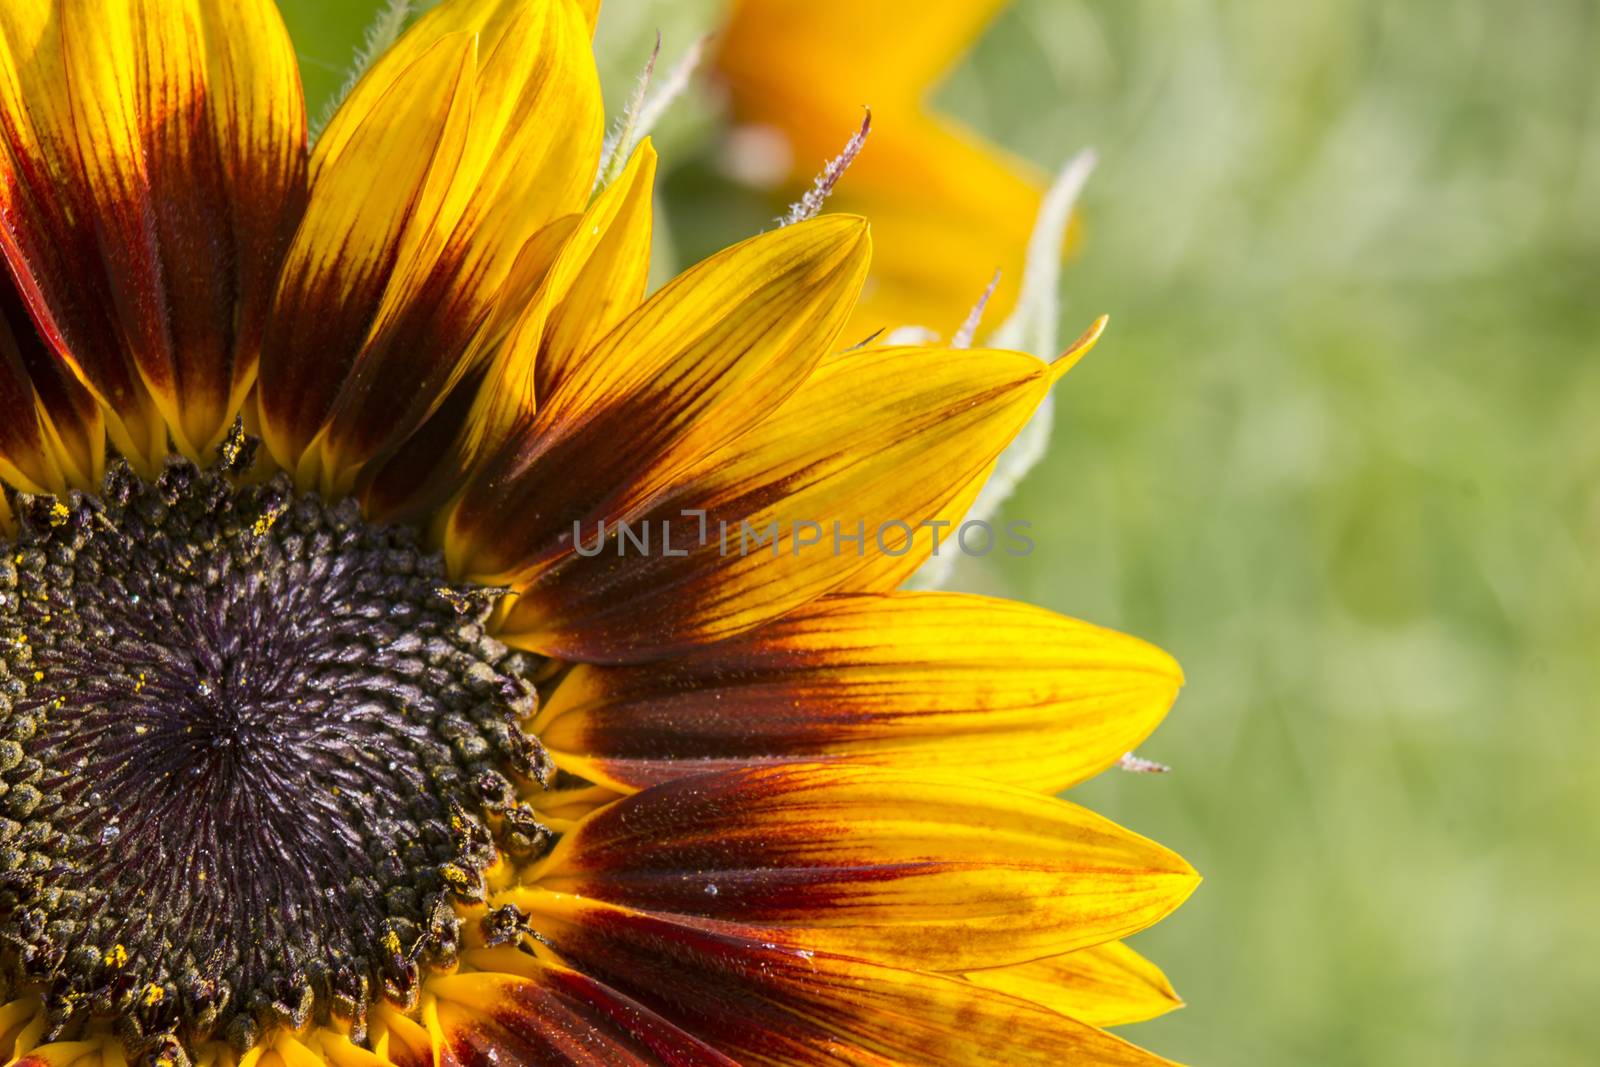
x: 700, y: 363
x: 155, y: 166
x: 763, y: 1003
x: 581, y: 275
x: 870, y: 447
x: 590, y: 273
x: 936, y: 681
x: 51, y: 433
x: 349, y: 243
x: 429, y: 467
x: 917, y: 871
x: 1107, y: 985
x: 261, y: 131
x: 550, y: 1014
x: 482, y: 128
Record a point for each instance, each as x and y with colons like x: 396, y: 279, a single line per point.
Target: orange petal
x: 550, y: 1014
x: 707, y: 357
x: 595, y: 280
x: 789, y: 43
x: 51, y: 433
x: 873, y: 445
x: 936, y: 681
x: 914, y: 870
x: 765, y: 1003
x: 429, y: 467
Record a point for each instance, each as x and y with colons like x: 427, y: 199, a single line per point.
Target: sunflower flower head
x: 421, y: 645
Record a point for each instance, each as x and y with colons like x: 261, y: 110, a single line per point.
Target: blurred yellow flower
x: 947, y: 207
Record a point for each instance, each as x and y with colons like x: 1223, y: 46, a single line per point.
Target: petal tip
x: 1079, y: 348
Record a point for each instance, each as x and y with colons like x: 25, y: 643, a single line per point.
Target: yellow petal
x: 338, y: 1050
x: 487, y: 19
x: 601, y: 275
x: 948, y: 208
x: 103, y: 1051
x: 925, y: 681
x: 703, y: 360
x: 398, y: 1038
x: 906, y: 868
x: 292, y: 1052
x: 777, y: 42
x: 21, y: 1022
x: 872, y: 446
x: 888, y: 573
x: 1107, y: 985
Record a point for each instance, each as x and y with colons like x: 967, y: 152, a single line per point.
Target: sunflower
x: 377, y: 685
x: 948, y: 208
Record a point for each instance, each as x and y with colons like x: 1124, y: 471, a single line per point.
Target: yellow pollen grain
x: 391, y: 943
x: 153, y: 995
x: 117, y: 957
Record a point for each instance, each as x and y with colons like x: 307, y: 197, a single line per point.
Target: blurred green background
x: 1340, y: 453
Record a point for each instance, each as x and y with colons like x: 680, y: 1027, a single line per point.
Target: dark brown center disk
x: 252, y: 752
